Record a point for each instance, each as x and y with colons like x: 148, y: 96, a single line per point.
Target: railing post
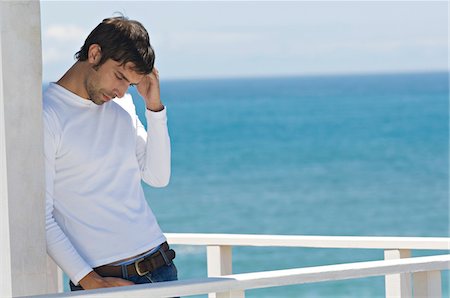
x: 398, y: 285
x: 427, y: 284
x: 220, y: 263
x: 231, y: 294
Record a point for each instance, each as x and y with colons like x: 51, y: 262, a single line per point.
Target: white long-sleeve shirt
x: 95, y: 158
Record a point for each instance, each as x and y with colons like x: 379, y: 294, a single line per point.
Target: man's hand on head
x: 148, y: 87
x: 94, y: 281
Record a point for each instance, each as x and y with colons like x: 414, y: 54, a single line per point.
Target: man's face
x: 109, y: 80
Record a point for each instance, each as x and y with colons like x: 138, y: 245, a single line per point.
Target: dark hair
x: 122, y: 40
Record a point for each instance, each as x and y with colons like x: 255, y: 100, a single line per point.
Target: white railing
x: 404, y: 275
x: 234, y: 286
x: 219, y: 250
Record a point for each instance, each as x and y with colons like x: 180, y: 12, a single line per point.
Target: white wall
x: 23, y: 257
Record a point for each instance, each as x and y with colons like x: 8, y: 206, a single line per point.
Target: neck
x: 74, y: 79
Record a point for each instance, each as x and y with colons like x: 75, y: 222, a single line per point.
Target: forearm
x: 64, y: 254
x: 150, y: 91
x: 157, y: 162
x: 153, y: 145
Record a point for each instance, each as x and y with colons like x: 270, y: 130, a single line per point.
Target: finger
x: 118, y: 282
x: 125, y: 283
x: 155, y: 72
x: 121, y: 283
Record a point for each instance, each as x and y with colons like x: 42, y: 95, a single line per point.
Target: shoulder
x: 50, y: 102
x: 48, y: 99
x: 51, y: 109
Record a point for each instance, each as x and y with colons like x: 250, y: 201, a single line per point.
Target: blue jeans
x: 164, y: 273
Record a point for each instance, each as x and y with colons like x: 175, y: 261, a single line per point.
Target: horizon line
x: 298, y: 75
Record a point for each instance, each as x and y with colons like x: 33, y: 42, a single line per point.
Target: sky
x: 213, y: 39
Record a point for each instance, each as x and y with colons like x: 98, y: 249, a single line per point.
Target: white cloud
x: 65, y: 33
x: 59, y: 44
x: 50, y: 55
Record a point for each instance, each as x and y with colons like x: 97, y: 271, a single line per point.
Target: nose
x: 119, y: 92
x: 120, y: 88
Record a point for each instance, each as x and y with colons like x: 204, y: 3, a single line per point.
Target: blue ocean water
x: 362, y: 155
x: 324, y: 155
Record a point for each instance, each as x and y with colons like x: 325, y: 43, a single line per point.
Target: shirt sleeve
x: 153, y: 148
x: 59, y: 246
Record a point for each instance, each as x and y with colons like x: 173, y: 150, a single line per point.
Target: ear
x: 94, y: 54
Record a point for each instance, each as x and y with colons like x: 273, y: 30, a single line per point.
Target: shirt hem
x: 76, y: 279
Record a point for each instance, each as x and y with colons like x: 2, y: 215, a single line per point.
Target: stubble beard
x: 94, y: 94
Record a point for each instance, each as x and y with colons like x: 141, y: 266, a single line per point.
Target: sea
x: 329, y: 155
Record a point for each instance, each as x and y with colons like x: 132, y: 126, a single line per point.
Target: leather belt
x: 163, y: 256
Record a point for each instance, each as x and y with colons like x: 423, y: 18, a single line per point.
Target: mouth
x: 106, y: 98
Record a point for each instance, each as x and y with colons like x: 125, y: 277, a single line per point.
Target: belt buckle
x: 136, y: 265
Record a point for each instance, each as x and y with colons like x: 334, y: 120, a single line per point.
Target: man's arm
x: 153, y: 146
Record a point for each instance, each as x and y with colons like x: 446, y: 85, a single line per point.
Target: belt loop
x: 163, y: 253
x: 124, y: 271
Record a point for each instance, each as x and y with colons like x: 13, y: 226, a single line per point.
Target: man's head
x: 119, y: 54
x: 123, y: 41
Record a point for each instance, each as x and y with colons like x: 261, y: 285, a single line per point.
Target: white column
x: 22, y: 212
x: 5, y: 261
x: 219, y: 259
x: 398, y: 285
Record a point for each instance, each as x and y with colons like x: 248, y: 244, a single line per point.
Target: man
x: 100, y: 230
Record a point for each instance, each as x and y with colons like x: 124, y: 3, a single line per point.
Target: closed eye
x: 122, y: 77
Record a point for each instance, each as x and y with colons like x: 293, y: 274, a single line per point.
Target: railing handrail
x: 360, y: 242
x: 239, y: 282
